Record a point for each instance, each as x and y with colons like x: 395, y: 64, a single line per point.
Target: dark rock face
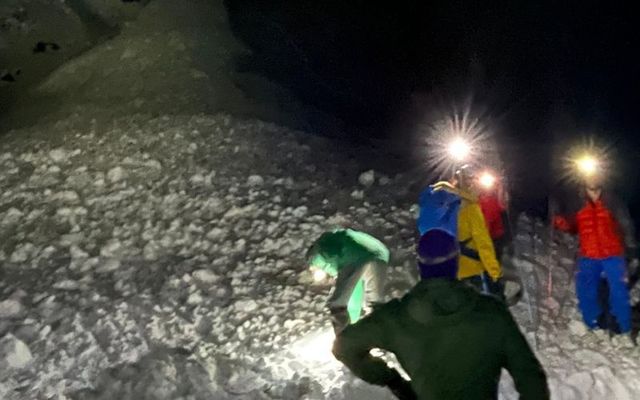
x: 36, y: 37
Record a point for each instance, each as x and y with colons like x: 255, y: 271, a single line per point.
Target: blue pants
x: 588, y: 277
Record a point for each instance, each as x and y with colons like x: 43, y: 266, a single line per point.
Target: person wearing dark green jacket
x: 451, y: 340
x: 357, y: 261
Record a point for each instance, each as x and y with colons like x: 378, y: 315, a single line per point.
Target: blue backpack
x: 438, y: 210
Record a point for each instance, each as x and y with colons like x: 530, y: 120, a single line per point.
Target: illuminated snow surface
x: 162, y: 258
x: 149, y: 250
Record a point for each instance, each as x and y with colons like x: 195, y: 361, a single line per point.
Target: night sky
x: 546, y: 74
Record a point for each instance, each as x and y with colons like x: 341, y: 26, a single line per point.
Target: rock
x: 291, y: 323
x: 204, y: 326
x: 112, y: 249
x: 109, y: 265
x: 205, y: 276
x: 245, y: 306
x: 243, y: 381
x: 14, y: 353
x: 197, y: 180
x: 67, y: 284
x: 89, y: 264
x: 67, y: 196
x: 28, y: 333
x: 151, y: 250
x: 255, y: 180
x: 357, y: 194
x: 58, y: 155
x: 11, y: 309
x: 367, y: 179
x: 22, y: 253
x: 12, y: 216
x: 77, y: 254
x: 384, y: 181
x: 195, y: 299
x: 155, y: 164
x: 300, y: 212
x: 216, y: 235
x: 116, y: 174
x: 577, y: 328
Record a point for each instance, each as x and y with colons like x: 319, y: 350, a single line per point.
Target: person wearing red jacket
x: 492, y: 200
x: 606, y: 235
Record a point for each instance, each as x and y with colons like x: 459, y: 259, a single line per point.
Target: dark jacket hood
x: 440, y: 301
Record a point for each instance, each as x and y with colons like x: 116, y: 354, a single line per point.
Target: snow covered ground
x: 152, y: 250
x: 161, y: 258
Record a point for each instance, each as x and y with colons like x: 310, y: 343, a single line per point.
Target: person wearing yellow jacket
x: 478, y: 264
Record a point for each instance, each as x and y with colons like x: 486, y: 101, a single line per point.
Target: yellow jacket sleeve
x: 483, y: 242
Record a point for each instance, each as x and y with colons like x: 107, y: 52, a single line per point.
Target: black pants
x: 498, y: 245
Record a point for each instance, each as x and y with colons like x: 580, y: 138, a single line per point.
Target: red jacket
x: 603, y: 229
x: 492, y: 210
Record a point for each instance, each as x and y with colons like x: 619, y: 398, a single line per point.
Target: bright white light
x: 315, y: 347
x: 319, y: 275
x: 587, y: 165
x: 459, y: 149
x: 487, y: 180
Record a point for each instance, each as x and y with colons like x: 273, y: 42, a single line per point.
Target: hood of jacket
x: 440, y: 301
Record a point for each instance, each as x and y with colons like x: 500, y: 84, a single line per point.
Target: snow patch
x: 14, y: 353
x: 368, y: 178
x: 11, y: 309
x: 116, y: 174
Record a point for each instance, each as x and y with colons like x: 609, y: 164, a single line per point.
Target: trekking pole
x: 551, y: 242
x: 512, y: 235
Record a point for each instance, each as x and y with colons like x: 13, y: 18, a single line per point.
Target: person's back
x: 451, y: 340
x: 492, y: 211
x: 342, y: 247
x: 478, y: 254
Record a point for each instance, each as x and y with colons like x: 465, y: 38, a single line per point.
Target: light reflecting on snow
x: 315, y: 347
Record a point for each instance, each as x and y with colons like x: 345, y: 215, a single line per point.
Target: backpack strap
x: 467, y: 251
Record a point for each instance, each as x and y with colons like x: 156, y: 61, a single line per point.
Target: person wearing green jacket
x: 451, y: 340
x: 357, y: 261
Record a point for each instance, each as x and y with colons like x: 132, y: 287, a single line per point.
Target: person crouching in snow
x: 358, y: 262
x: 451, y: 340
x: 606, y: 235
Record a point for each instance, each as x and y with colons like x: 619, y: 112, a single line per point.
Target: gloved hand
x: 443, y: 186
x: 496, y: 288
x: 401, y: 388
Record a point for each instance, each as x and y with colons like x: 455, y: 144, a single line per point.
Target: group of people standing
x: 453, y: 332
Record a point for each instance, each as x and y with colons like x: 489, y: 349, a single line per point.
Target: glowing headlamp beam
x: 459, y: 149
x: 587, y: 165
x: 319, y: 275
x: 487, y: 180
